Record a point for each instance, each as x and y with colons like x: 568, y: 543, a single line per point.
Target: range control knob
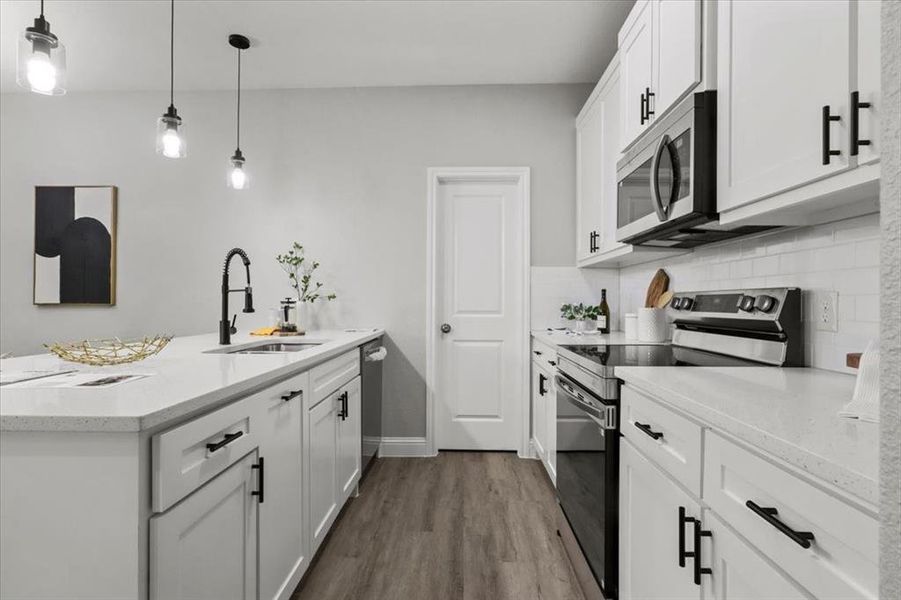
x: 765, y: 303
x: 676, y: 303
x: 746, y: 303
x: 686, y: 304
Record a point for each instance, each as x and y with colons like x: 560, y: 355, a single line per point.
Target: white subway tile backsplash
x: 841, y: 257
x: 554, y: 286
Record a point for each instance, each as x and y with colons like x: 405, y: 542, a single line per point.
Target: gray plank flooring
x: 462, y: 525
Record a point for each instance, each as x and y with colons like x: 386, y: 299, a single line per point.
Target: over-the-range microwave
x: 666, y: 190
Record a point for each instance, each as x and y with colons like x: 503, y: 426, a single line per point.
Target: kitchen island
x: 217, y: 475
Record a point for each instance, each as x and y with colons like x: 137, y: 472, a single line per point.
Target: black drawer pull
x: 699, y: 570
x: 260, y: 492
x: 343, y: 410
x: 537, y: 352
x: 541, y: 381
x: 291, y: 395
x: 683, y: 520
x: 553, y: 363
x: 646, y: 427
x: 228, y: 439
x: 827, y: 121
x: 768, y: 514
x: 856, y: 105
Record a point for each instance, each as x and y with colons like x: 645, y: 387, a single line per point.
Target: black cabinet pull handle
x: 699, y: 570
x: 768, y: 514
x: 228, y: 439
x: 343, y: 400
x: 537, y: 352
x: 644, y: 104
x: 541, y: 381
x: 856, y: 105
x: 646, y: 427
x: 827, y: 121
x: 553, y: 363
x: 260, y: 492
x: 683, y: 520
x: 647, y: 102
x: 291, y: 395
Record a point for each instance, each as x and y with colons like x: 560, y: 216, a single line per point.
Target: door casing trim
x: 521, y: 176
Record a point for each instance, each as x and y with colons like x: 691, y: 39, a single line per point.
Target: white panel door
x: 779, y: 63
x: 349, y: 439
x: 677, y: 51
x: 636, y: 65
x: 739, y: 572
x: 321, y: 431
x: 282, y: 536
x: 649, y: 526
x: 480, y: 361
x: 205, y: 547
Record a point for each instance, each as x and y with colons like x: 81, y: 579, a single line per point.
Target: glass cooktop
x: 602, y: 358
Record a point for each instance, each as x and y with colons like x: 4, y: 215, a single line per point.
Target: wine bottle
x: 604, y: 316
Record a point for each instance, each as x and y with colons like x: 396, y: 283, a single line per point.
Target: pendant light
x: 237, y: 176
x: 41, y: 62
x: 170, y: 131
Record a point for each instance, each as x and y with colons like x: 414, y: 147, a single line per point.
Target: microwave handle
x: 655, y: 171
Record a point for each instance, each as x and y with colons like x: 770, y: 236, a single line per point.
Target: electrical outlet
x: 825, y: 311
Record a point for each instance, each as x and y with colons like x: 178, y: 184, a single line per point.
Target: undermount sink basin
x: 276, y: 347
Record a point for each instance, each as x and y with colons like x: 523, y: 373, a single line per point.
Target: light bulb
x: 41, y: 73
x: 171, y: 144
x: 238, y: 178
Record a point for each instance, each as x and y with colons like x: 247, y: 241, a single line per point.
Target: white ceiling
x: 124, y: 44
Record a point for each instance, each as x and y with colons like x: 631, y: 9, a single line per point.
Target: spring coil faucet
x: 226, y: 329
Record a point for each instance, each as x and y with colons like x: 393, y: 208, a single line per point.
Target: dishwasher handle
x: 376, y: 354
x: 605, y: 415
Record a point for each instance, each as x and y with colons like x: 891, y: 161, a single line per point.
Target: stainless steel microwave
x: 666, y: 192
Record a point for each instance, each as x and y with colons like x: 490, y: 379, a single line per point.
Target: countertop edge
x: 186, y: 409
x: 861, y: 490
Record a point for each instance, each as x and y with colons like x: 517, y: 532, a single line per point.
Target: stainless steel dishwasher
x: 371, y: 356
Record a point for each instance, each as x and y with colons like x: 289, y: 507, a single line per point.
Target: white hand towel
x: 865, y: 403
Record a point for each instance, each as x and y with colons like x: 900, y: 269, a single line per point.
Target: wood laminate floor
x: 462, y: 525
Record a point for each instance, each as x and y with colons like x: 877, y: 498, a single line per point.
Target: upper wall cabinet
x: 798, y: 98
x: 661, y: 53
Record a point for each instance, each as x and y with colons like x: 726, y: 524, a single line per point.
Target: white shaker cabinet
x: 677, y: 51
x: 590, y: 138
x: 636, y: 50
x: 652, y: 532
x: 786, y: 73
x: 205, y: 547
x: 321, y: 431
x: 283, y: 554
x: 349, y: 437
x: 541, y: 386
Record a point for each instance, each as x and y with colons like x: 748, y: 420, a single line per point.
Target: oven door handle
x: 606, y: 417
x: 662, y: 211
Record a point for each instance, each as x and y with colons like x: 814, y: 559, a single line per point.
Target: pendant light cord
x: 238, y: 120
x: 171, y: 53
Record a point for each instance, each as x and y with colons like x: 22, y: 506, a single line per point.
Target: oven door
x: 588, y: 477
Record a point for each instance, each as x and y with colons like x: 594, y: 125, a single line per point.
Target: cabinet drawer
x: 841, y: 560
x: 544, y: 355
x: 669, y: 439
x: 186, y: 457
x: 331, y: 375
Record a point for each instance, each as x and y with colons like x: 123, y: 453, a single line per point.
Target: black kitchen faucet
x: 226, y: 329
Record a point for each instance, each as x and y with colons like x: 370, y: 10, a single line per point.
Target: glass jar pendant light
x: 237, y: 175
x: 41, y: 61
x: 170, y: 130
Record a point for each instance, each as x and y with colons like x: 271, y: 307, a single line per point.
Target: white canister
x: 631, y: 326
x: 652, y: 325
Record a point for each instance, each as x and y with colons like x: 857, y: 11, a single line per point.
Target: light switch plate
x: 825, y: 311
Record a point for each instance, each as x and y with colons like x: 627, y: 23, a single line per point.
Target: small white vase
x: 585, y: 325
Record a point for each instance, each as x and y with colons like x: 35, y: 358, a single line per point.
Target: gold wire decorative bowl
x: 109, y: 352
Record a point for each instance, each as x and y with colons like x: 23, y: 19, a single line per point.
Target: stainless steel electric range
x: 724, y: 328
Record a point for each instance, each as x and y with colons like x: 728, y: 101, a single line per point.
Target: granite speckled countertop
x: 184, y: 379
x: 790, y: 413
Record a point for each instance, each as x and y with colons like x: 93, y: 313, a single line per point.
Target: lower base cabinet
x: 205, y: 547
x: 349, y: 440
x: 653, y: 535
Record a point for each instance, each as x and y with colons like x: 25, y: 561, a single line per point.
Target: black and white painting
x: 75, y: 245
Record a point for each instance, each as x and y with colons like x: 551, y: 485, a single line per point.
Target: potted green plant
x: 584, y: 317
x: 300, y: 276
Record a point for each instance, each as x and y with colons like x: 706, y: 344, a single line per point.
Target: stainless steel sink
x: 276, y: 347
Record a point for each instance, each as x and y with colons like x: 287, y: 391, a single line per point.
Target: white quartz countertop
x: 791, y: 413
x: 184, y: 379
x: 557, y: 337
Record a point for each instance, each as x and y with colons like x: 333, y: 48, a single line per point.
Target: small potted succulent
x: 300, y: 275
x: 584, y: 318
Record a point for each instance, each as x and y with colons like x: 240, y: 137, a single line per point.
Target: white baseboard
x: 404, y: 446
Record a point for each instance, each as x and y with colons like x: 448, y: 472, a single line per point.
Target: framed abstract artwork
x: 75, y: 244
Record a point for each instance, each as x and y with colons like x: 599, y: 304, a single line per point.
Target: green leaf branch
x: 300, y: 275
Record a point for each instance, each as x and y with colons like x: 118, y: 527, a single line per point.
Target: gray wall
x: 890, y: 378
x: 341, y: 171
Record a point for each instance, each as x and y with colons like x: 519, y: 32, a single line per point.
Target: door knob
x: 445, y: 328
